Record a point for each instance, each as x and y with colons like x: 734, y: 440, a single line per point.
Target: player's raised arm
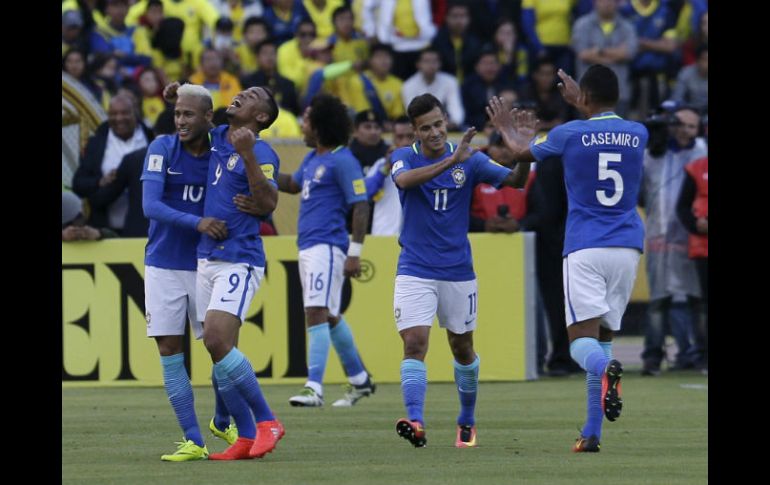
x: 169, y: 92
x: 266, y: 196
x: 525, y: 126
x: 569, y: 88
x: 517, y: 127
x: 414, y: 177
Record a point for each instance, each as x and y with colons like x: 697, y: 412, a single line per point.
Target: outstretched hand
x: 499, y: 115
x: 464, y: 150
x: 568, y: 87
x: 524, y: 123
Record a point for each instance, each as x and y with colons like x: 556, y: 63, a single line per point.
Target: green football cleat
x: 187, y: 451
x: 230, y: 434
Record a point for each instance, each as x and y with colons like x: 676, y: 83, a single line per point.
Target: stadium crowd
x: 378, y: 55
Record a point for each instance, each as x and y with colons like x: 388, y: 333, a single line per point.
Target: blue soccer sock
x: 180, y: 394
x: 239, y: 370
x: 342, y: 339
x: 414, y: 383
x: 221, y: 413
x: 607, y: 349
x: 594, y: 414
x: 467, y: 380
x: 318, y: 352
x: 587, y: 352
x: 235, y: 404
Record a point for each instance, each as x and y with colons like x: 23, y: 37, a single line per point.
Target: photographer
x: 674, y: 288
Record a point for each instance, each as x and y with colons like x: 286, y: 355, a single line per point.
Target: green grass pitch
x: 525, y: 431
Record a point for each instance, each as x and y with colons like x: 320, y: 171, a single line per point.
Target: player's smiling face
x: 247, y: 105
x: 431, y: 131
x: 191, y: 118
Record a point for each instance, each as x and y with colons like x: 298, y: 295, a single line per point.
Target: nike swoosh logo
x: 213, y: 149
x: 470, y: 321
x: 226, y: 301
x: 168, y: 171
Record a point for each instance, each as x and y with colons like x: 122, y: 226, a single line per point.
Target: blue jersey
x: 330, y: 184
x: 434, y: 239
x: 184, y: 178
x: 602, y: 159
x: 227, y: 178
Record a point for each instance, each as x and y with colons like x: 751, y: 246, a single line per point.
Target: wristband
x: 355, y: 249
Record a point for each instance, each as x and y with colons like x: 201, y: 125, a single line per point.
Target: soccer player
x: 604, y: 234
x: 174, y: 177
x: 435, y: 273
x: 331, y: 181
x: 231, y: 268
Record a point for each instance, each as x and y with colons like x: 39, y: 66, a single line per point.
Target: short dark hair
x: 305, y: 21
x: 423, y: 104
x: 257, y: 21
x: 272, y: 107
x: 330, y: 120
x: 266, y: 42
x: 457, y: 3
x: 601, y: 85
x: 429, y: 50
x: 380, y: 48
x: 542, y: 61
x: 402, y: 120
x: 339, y: 11
x: 486, y: 51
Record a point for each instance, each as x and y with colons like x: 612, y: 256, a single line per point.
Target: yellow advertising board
x: 104, y: 330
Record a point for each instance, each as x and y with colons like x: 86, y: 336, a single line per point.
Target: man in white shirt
x: 380, y: 188
x: 428, y: 79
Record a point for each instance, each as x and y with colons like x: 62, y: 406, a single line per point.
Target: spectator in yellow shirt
x: 197, y: 15
x: 239, y: 11
x: 348, y: 45
x: 255, y: 31
x: 284, y: 126
x: 321, y: 13
x: 161, y: 39
x: 295, y: 62
x: 387, y: 85
x: 151, y: 90
x: 222, y: 85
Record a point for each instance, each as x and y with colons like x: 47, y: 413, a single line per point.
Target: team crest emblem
x: 319, y: 172
x: 232, y: 161
x: 148, y: 318
x: 398, y: 314
x: 458, y: 175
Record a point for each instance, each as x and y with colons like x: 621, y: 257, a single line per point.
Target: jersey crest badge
x: 458, y: 175
x: 232, y: 161
x: 319, y: 172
